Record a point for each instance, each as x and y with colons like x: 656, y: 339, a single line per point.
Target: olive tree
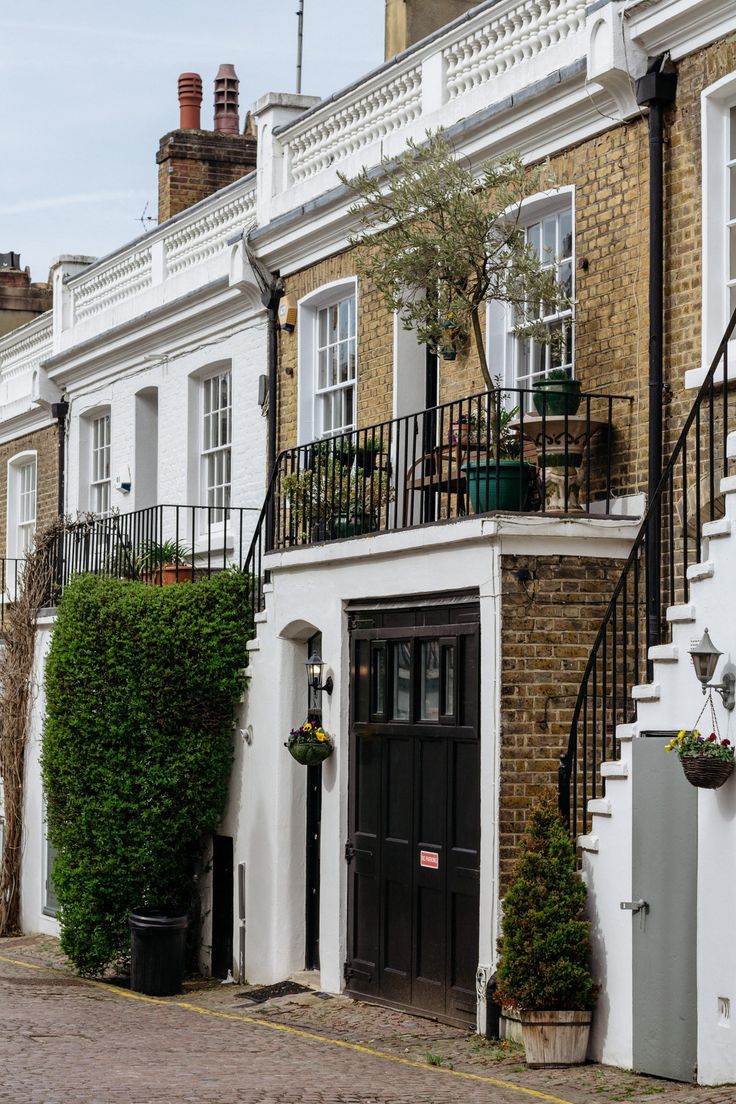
x: 439, y: 239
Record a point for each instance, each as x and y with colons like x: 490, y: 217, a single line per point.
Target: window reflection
x: 430, y: 681
x: 402, y: 680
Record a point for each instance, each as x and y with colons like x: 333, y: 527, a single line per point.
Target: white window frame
x: 20, y: 525
x: 100, y: 446
x: 717, y: 102
x: 209, y: 453
x: 502, y: 344
x: 309, y: 412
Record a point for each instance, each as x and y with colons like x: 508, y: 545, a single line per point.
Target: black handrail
x: 620, y: 659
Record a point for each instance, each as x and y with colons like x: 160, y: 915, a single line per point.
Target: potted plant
x: 543, y: 970
x: 332, y: 500
x: 368, y: 455
x: 163, y: 563
x: 502, y: 482
x: 707, y: 761
x: 558, y: 393
x: 309, y: 744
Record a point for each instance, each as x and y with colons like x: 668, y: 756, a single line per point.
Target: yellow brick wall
x: 610, y: 175
x: 45, y: 443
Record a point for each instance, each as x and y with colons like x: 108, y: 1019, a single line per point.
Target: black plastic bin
x: 157, y: 951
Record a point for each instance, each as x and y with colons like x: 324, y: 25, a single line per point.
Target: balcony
x: 484, y: 454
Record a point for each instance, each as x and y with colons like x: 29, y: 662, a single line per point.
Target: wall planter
x: 500, y: 485
x: 309, y: 744
x: 557, y: 396
x: 555, y: 1038
x: 310, y: 755
x: 705, y: 773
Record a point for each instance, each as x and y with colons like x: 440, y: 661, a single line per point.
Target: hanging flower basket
x: 309, y: 745
x: 707, y: 761
x: 705, y: 773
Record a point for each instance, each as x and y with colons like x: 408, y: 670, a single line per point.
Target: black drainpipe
x: 656, y: 90
x: 59, y: 411
x: 271, y: 298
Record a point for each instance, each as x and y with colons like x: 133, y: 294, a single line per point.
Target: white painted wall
x: 33, y: 873
x: 713, y: 606
x: 266, y: 814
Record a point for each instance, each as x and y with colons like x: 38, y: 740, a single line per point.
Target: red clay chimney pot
x: 227, y: 120
x: 190, y: 100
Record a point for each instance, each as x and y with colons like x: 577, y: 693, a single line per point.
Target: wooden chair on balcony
x: 439, y: 471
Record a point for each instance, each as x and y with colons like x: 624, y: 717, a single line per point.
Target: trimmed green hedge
x: 141, y: 687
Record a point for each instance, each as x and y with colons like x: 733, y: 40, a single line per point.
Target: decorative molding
x: 114, y: 283
x: 679, y: 26
x: 206, y: 236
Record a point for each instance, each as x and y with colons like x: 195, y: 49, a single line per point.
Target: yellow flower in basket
x: 320, y: 734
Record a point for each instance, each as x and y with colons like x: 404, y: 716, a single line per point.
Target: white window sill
x: 695, y: 376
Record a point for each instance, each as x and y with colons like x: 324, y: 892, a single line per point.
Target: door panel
x: 665, y: 840
x: 415, y: 810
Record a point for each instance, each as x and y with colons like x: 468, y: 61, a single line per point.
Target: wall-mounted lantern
x: 315, y: 667
x: 705, y: 658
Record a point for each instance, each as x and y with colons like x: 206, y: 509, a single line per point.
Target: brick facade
x: 551, y: 610
x: 45, y: 443
x: 193, y: 164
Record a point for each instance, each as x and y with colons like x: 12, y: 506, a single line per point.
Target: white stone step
x: 626, y: 732
x: 615, y: 768
x: 648, y: 691
x: 588, y: 843
x: 261, y: 617
x: 253, y: 645
x: 599, y: 806
x: 699, y: 571
x: 677, y: 615
x: 664, y: 653
x: 728, y: 484
x: 731, y: 446
x: 267, y: 588
x: 721, y: 527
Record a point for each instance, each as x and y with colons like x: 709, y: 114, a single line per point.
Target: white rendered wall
x: 33, y: 874
x: 266, y: 814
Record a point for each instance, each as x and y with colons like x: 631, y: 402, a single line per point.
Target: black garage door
x: 415, y: 809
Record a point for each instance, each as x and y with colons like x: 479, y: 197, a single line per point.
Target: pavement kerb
x: 299, y: 1032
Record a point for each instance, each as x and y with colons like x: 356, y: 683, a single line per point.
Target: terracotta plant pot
x: 168, y: 574
x: 706, y: 773
x: 555, y: 1038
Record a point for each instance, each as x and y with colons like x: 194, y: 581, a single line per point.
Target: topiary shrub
x: 545, y: 947
x: 141, y: 686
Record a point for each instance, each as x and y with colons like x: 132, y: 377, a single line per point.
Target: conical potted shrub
x: 544, y: 950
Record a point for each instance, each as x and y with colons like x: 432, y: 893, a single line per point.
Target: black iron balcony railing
x: 480, y: 454
x: 670, y: 540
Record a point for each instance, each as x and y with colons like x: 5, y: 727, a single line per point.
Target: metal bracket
x: 635, y: 906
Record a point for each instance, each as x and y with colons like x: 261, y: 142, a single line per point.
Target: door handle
x: 635, y: 906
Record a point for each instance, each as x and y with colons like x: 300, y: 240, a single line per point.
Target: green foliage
x: 153, y: 554
x: 545, y: 945
x: 141, y: 685
x: 450, y: 239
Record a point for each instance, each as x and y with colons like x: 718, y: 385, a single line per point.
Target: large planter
x: 167, y: 574
x: 555, y: 1038
x: 557, y: 396
x: 499, y: 485
x: 353, y: 525
x: 706, y: 773
x: 310, y: 754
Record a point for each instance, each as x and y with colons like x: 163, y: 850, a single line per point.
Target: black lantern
x: 315, y: 667
x: 705, y: 658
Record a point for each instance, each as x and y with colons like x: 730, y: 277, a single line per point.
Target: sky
x: 87, y: 88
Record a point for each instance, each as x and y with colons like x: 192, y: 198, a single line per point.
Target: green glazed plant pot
x: 310, y: 754
x: 557, y: 396
x: 353, y: 525
x: 500, y: 485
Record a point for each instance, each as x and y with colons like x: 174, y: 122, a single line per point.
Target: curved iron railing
x: 655, y: 577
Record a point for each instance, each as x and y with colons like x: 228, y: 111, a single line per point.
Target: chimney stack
x: 190, y: 101
x: 20, y: 300
x: 193, y: 163
x: 409, y: 21
x: 227, y: 119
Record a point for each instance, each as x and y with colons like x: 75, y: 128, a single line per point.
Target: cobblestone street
x: 67, y: 1041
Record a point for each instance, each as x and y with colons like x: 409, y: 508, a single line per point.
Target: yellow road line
x: 299, y: 1032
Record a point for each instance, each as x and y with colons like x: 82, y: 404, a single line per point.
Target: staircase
x: 633, y: 680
